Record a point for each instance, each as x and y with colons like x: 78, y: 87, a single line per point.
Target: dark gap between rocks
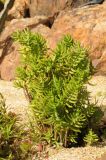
x: 1, y: 6
x: 26, y: 13
x: 51, y: 20
x: 48, y: 24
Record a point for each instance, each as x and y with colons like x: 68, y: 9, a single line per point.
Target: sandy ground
x: 97, y: 89
x: 81, y: 153
x: 15, y: 99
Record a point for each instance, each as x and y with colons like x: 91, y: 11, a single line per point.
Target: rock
x: 47, y: 7
x: 18, y: 10
x: 27, y: 8
x: 88, y: 25
x: 9, y: 55
x: 3, y: 14
x: 10, y: 62
x: 51, y: 7
x: 77, y: 3
x: 20, y: 24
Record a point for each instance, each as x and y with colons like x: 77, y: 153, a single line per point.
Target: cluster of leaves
x: 91, y: 137
x: 55, y: 87
x: 14, y: 144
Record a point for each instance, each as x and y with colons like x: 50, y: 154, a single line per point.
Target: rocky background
x: 53, y: 19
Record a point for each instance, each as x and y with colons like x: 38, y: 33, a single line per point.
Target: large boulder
x: 87, y: 25
x: 51, y: 7
x: 47, y: 7
x: 9, y: 51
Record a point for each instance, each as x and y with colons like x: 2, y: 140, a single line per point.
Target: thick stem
x: 51, y: 132
x: 61, y: 140
x: 55, y: 135
x: 27, y: 95
x: 65, y: 139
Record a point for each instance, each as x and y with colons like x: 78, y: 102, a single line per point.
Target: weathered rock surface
x: 47, y: 7
x: 9, y: 55
x: 18, y: 10
x: 51, y: 7
x: 86, y: 24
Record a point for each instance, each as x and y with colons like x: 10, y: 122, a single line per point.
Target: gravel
x: 81, y: 153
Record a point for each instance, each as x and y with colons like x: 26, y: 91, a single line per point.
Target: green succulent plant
x: 55, y: 86
x: 91, y: 138
x: 13, y: 144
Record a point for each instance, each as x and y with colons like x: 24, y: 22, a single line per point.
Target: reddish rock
x: 47, y: 7
x: 20, y: 24
x: 9, y: 55
x: 10, y: 62
x: 86, y: 24
x: 18, y: 10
